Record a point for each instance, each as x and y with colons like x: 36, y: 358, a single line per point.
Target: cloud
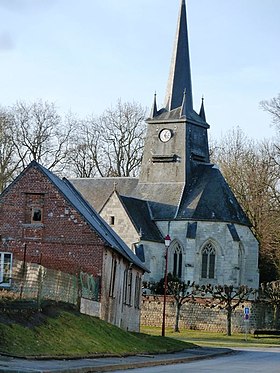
x: 6, y: 41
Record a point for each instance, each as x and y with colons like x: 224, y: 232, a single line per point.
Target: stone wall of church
x: 196, y: 317
x: 154, y: 260
x: 250, y: 247
x: 236, y: 262
x: 115, y: 215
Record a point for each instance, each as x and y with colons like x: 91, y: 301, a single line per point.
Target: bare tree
x: 269, y: 293
x: 273, y: 107
x: 226, y: 298
x: 82, y: 156
x: 111, y: 144
x: 8, y: 162
x: 252, y: 173
x: 40, y: 134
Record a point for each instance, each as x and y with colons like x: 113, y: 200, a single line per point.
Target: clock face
x: 165, y: 135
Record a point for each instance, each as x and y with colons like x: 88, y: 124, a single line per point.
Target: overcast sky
x: 84, y: 55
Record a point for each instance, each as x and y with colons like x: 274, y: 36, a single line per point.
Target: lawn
x: 58, y: 332
x: 202, y: 338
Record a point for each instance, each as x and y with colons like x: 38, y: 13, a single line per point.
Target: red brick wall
x: 63, y: 240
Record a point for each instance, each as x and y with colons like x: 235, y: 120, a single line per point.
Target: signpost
x: 246, y: 312
x: 246, y: 320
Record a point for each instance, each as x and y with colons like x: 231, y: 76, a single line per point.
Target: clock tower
x: 176, y: 139
x: 180, y: 193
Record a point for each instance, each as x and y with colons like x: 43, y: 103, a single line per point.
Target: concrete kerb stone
x: 9, y: 365
x: 179, y: 360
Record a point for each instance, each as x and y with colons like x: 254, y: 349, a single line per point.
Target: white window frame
x: 2, y: 256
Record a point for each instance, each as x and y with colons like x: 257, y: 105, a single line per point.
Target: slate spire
x: 154, y: 107
x: 180, y: 71
x: 183, y: 112
x: 202, y: 110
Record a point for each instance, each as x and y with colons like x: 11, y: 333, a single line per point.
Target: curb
x: 100, y: 365
x: 111, y: 368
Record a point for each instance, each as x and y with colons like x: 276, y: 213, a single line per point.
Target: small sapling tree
x: 182, y: 293
x: 226, y: 297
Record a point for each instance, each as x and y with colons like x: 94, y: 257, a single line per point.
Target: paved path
x: 11, y: 365
x: 246, y: 360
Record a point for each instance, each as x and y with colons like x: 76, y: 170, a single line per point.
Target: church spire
x: 202, y: 110
x: 154, y: 107
x: 183, y: 112
x: 180, y: 71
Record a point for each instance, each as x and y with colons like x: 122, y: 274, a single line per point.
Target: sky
x: 85, y: 55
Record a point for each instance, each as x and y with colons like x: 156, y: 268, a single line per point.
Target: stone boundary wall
x: 195, y: 316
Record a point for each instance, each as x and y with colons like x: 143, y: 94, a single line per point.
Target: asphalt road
x: 265, y: 360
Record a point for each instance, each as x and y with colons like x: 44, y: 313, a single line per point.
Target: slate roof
x: 162, y: 211
x: 94, y: 220
x: 139, y: 212
x: 166, y: 193
x: 97, y: 190
x: 165, y: 115
x: 210, y: 198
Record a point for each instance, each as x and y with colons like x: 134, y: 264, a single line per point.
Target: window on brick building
x: 208, y: 261
x: 34, y: 208
x: 124, y: 286
x: 137, y: 293
x: 5, y: 269
x: 113, y: 277
x: 36, y: 215
x: 127, y: 287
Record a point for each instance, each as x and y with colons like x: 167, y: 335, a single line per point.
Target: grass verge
x: 59, y: 332
x: 202, y: 338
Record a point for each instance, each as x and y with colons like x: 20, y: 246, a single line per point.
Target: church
x: 179, y: 193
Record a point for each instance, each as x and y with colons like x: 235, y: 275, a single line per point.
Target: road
x: 244, y: 361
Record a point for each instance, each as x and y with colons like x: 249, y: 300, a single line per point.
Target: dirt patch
x: 31, y: 318
x: 25, y: 318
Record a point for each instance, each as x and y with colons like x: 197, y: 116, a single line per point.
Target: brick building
x: 44, y: 220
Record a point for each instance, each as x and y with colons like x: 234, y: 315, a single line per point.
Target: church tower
x: 176, y: 139
x: 188, y: 197
x: 179, y: 193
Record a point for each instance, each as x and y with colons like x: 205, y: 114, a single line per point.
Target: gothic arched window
x: 177, y: 260
x: 208, y: 261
